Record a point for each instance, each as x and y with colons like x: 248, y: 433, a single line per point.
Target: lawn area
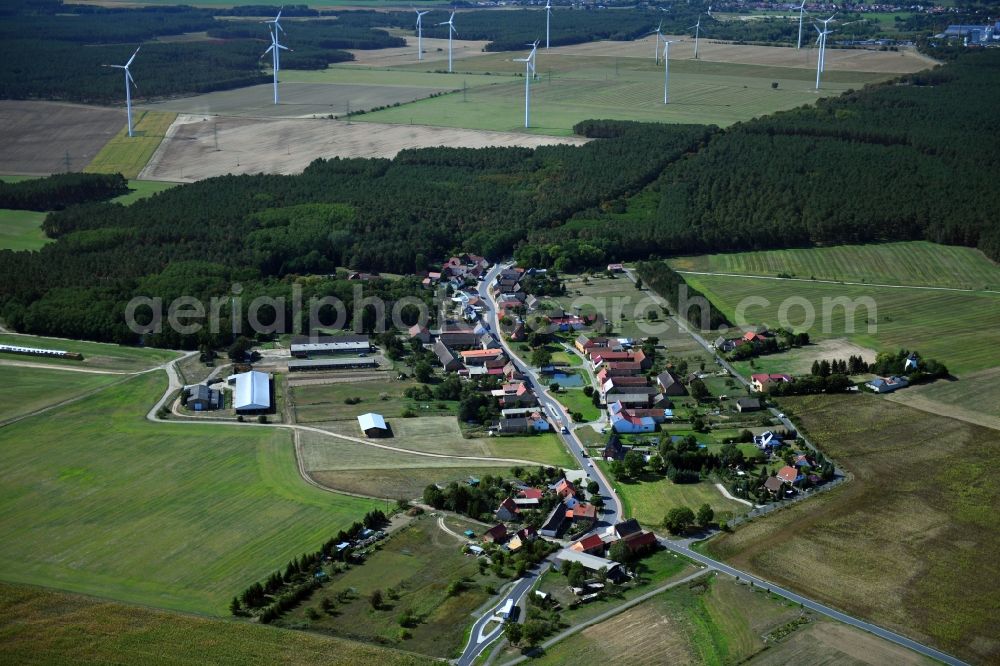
x: 418, y: 562
x: 960, y: 329
x: 98, y: 500
x: 572, y: 88
x: 96, y: 355
x: 142, y: 189
x: 649, y: 500
x: 575, y: 400
x: 899, y: 543
x: 26, y: 389
x: 325, y: 402
x: 408, y: 483
x: 21, y: 230
x: 719, y: 621
x: 128, y: 155
x: 47, y: 627
x: 919, y: 263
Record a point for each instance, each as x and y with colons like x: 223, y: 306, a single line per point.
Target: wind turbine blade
x: 269, y: 49
x: 129, y: 63
x: 131, y: 80
x: 283, y: 47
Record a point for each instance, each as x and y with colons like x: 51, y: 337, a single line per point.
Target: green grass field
x: 26, y: 389
x: 47, y: 627
x: 960, y: 329
x: 325, y: 402
x: 128, y: 155
x: 21, y: 230
x: 720, y: 621
x: 96, y: 355
x: 406, y: 483
x: 98, y: 500
x: 142, y: 189
x: 574, y: 400
x: 900, y: 542
x: 574, y: 88
x: 352, y: 74
x: 419, y: 562
x: 918, y: 263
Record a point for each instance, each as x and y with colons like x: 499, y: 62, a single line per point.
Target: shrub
x: 262, y: 419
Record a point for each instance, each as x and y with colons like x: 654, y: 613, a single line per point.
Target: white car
x: 781, y: 416
x: 590, y: 464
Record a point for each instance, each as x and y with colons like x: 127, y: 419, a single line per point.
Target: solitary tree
x: 678, y: 519
x: 375, y: 599
x: 512, y: 631
x: 705, y: 515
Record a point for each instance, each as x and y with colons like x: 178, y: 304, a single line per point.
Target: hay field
x: 39, y: 135
x: 128, y: 155
x: 435, y: 53
x: 837, y: 60
x: 909, y: 542
x: 247, y: 145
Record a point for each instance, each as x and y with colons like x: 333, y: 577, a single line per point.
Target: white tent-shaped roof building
x: 373, y: 425
x: 252, y: 392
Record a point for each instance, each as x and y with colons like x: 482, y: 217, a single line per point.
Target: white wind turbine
x: 666, y: 68
x: 821, y: 40
x: 129, y: 82
x: 548, y: 17
x: 451, y: 31
x: 420, y: 33
x: 656, y: 41
x: 802, y: 11
x: 697, y: 34
x: 274, y: 50
x: 529, y: 73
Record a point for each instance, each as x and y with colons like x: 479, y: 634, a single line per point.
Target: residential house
x: 639, y: 542
x: 533, y: 422
x: 887, y: 384
x: 789, y: 475
x: 511, y: 373
x: 614, y: 450
x: 515, y: 394
x: 507, y: 510
x: 459, y: 339
x: 725, y: 345
x: 584, y: 344
x: 748, y: 405
x: 762, y: 381
x: 773, y: 485
x: 530, y: 493
x: 481, y: 356
x: 519, y: 334
x: 418, y: 332
x: 623, y: 421
x: 581, y: 511
x: 669, y: 384
x: 564, y: 489
x: 593, y: 545
x: 625, y: 528
x: 201, y: 398
x: 496, y: 534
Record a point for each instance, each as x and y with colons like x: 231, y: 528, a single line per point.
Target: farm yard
x: 717, y: 620
x: 417, y: 564
x: 960, y: 329
x: 40, y: 626
x: 41, y: 136
x: 287, y: 146
x: 128, y: 155
x: 915, y: 263
x: 899, y: 542
x: 179, y: 516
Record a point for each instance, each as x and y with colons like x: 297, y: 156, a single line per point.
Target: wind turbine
x: 826, y: 31
x: 420, y: 33
x: 666, y: 68
x: 697, y: 33
x: 274, y: 49
x: 529, y: 73
x: 821, y: 60
x: 451, y: 30
x: 656, y: 42
x: 802, y: 11
x: 548, y: 16
x: 129, y: 82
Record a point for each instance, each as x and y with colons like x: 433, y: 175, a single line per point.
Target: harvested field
x: 799, y: 361
x: 829, y: 644
x: 435, y: 51
x: 38, y: 136
x: 247, y: 145
x: 398, y: 483
x: 975, y: 398
x: 900, y: 542
x: 857, y: 60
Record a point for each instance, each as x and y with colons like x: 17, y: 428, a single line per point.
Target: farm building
x: 37, y: 351
x: 670, y: 384
x: 373, y: 425
x: 748, y: 405
x: 887, y: 384
x: 344, y: 363
x: 252, y: 392
x: 446, y: 357
x: 591, y: 563
x: 347, y: 344
x: 761, y: 382
x: 554, y: 522
x: 507, y: 510
x: 201, y: 398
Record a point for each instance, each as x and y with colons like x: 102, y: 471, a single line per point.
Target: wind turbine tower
x: 656, y: 41
x: 821, y: 40
x: 420, y: 33
x: 802, y: 11
x: 129, y: 82
x: 529, y: 73
x: 451, y: 31
x: 697, y: 34
x: 274, y: 49
x: 666, y: 69
x: 548, y: 17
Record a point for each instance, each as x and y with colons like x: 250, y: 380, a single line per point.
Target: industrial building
x: 252, y: 392
x: 344, y: 363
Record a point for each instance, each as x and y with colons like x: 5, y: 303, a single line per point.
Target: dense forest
x: 60, y: 190
x: 913, y: 158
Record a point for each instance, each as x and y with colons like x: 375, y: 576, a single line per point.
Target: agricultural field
x: 40, y: 138
x: 914, y: 263
x: 98, y: 500
x: 960, y: 329
x: 648, y: 499
x: 418, y: 562
x: 325, y: 402
x: 21, y: 230
x: 575, y: 88
x: 45, y: 626
x: 799, y: 360
x: 98, y: 356
x: 198, y: 148
x: 975, y: 398
x: 720, y: 621
x: 408, y: 483
x: 899, y: 543
x: 128, y: 155
x: 25, y: 390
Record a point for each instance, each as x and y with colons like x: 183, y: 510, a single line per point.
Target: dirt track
x: 37, y: 136
x: 248, y: 145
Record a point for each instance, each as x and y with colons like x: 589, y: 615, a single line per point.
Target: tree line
x: 61, y: 190
x: 668, y: 283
